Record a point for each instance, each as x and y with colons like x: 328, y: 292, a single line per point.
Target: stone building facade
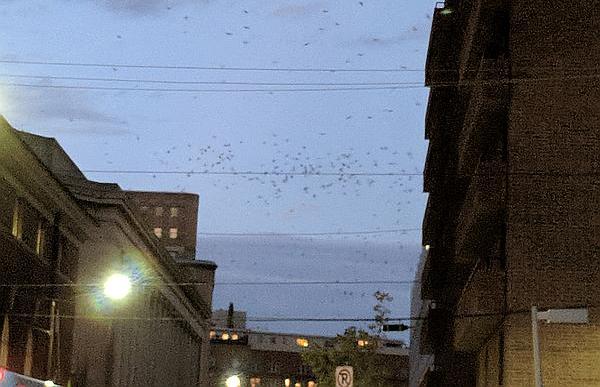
x: 63, y: 235
x: 42, y: 232
x: 513, y: 214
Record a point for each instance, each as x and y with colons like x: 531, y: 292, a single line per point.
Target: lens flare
x: 117, y: 286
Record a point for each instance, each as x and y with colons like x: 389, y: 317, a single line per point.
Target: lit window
x: 158, y: 211
x: 311, y: 383
x: 298, y: 384
x: 302, y: 342
x: 173, y: 233
x: 17, y: 221
x: 174, y: 212
x: 363, y: 343
x: 158, y: 232
x: 213, y: 334
x: 234, y: 336
x: 40, y: 238
x: 225, y: 336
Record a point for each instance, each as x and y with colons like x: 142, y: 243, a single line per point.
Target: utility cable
x: 225, y: 283
x: 349, y: 174
x: 204, y: 68
x: 175, y: 82
x: 180, y: 90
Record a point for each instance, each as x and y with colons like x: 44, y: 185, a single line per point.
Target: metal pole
x: 537, y: 361
x: 51, y: 339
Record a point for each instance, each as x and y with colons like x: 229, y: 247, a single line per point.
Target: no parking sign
x: 344, y: 376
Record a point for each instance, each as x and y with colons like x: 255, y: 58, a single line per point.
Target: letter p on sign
x: 344, y: 376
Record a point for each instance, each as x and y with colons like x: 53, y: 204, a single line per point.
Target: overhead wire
x: 181, y: 90
x: 281, y: 319
x: 385, y: 231
x: 204, y: 68
x: 178, y: 82
x: 224, y: 283
x: 350, y: 174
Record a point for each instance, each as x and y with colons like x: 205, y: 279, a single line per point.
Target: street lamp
x: 233, y: 381
x: 117, y: 286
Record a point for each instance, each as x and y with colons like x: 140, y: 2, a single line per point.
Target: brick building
x: 61, y: 235
x: 268, y: 359
x: 171, y: 217
x: 513, y: 214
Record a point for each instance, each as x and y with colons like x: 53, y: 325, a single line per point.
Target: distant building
x: 267, y: 359
x: 171, y: 217
x: 225, y: 318
x: 513, y: 213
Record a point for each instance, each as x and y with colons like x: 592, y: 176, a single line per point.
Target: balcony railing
x: 481, y: 218
x: 441, y: 66
x: 485, y: 121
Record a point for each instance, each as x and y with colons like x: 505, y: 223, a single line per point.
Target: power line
x: 278, y: 69
x: 174, y: 82
x: 277, y: 319
x: 250, y: 173
x: 204, y: 68
x: 226, y: 283
x: 350, y: 174
x: 180, y: 90
x: 395, y: 230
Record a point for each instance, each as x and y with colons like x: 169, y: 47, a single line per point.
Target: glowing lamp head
x: 233, y: 381
x: 117, y: 286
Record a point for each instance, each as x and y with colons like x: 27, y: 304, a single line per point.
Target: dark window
x: 7, y: 203
x: 68, y: 258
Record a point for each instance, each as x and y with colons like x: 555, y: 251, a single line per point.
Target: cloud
x: 413, y: 33
x: 72, y: 111
x: 143, y: 7
x: 297, y: 10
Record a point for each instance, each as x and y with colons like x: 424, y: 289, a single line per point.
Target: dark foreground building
x: 61, y: 236
x: 513, y: 215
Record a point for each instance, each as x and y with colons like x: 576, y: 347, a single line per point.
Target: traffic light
x: 395, y: 327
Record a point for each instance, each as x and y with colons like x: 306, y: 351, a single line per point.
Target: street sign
x: 395, y: 327
x: 344, y: 376
x: 565, y: 316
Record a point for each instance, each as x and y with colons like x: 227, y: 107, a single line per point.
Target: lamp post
x: 117, y: 286
x: 233, y: 381
x: 558, y: 316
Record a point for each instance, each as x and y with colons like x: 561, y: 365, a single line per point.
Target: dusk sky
x: 202, y: 100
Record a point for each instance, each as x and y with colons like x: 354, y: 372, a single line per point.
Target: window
x: 158, y: 232
x: 174, y: 212
x: 273, y: 340
x: 363, y: 343
x: 158, y: 211
x: 302, y: 342
x: 40, y: 238
x: 173, y: 233
x: 17, y: 221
